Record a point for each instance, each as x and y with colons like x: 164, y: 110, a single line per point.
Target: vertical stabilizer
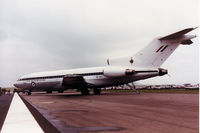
x: 155, y: 54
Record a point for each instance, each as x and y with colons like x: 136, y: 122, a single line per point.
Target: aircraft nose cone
x: 16, y: 84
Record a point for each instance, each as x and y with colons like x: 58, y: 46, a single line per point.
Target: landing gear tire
x: 85, y: 92
x: 60, y: 91
x: 49, y: 91
x: 28, y: 93
x: 97, y: 91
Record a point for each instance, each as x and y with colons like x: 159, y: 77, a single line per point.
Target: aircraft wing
x: 74, y: 80
x: 177, y: 34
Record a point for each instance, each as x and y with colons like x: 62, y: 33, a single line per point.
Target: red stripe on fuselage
x: 159, y: 49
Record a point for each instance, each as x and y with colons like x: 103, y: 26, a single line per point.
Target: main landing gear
x: 60, y: 91
x: 49, y: 91
x: 85, y: 92
x: 97, y: 91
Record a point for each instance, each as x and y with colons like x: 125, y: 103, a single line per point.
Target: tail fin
x: 155, y: 54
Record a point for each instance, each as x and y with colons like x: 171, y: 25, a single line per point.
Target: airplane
x: 119, y: 71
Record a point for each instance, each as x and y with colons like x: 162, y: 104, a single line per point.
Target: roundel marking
x: 33, y: 84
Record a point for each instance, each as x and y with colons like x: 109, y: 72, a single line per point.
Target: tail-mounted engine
x: 162, y: 71
x: 117, y: 72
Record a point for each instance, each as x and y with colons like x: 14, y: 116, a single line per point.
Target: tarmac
x: 116, y: 112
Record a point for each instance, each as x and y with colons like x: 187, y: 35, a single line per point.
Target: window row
x: 61, y: 76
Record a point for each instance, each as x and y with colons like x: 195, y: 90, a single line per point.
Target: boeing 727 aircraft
x: 144, y: 64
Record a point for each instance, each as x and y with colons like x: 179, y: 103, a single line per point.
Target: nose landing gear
x: 28, y: 92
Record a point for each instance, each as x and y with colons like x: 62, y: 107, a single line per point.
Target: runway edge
x: 46, y: 125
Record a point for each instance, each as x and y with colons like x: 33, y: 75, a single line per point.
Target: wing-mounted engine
x: 71, y: 80
x: 117, y: 72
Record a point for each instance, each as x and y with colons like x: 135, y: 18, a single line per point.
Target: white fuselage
x: 96, y: 77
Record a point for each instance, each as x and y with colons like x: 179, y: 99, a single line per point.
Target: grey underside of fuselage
x: 92, y: 82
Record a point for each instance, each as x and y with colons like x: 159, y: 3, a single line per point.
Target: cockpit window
x: 19, y: 79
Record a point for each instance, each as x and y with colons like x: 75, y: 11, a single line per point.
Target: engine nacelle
x: 117, y: 72
x: 162, y: 71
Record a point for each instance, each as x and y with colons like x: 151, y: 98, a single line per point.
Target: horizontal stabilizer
x: 177, y: 34
x: 187, y: 42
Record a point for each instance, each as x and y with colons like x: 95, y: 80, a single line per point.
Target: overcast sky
x: 42, y: 35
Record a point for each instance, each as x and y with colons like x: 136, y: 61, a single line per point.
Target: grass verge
x: 183, y: 91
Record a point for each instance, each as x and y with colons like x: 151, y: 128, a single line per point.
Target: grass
x: 9, y: 88
x: 187, y: 91
x: 183, y: 91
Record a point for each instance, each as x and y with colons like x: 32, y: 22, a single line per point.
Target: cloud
x: 46, y: 35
